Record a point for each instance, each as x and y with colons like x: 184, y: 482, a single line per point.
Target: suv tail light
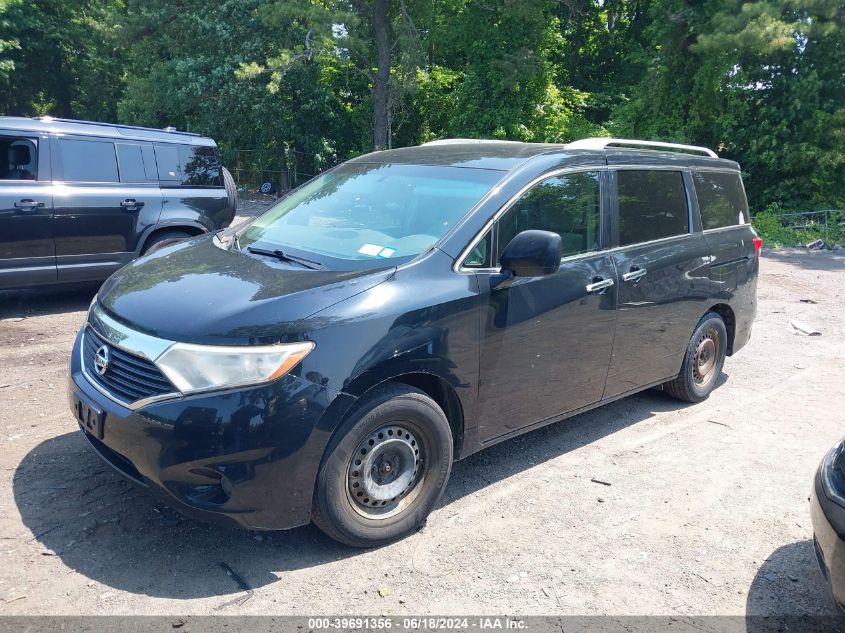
x: 758, y: 245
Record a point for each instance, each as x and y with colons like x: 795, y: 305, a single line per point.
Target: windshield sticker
x: 386, y: 252
x: 370, y: 249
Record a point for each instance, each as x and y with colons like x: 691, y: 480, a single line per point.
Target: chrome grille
x: 129, y: 378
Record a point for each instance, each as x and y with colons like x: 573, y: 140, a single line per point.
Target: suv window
x: 189, y: 166
x: 568, y: 205
x: 131, y: 162
x: 652, y: 205
x: 721, y: 199
x: 88, y: 161
x: 18, y: 158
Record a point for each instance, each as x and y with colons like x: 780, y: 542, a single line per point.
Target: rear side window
x: 652, y: 205
x: 568, y: 205
x: 188, y: 166
x: 88, y: 161
x: 721, y: 199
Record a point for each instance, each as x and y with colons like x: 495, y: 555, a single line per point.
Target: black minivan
x: 331, y: 359
x: 78, y: 200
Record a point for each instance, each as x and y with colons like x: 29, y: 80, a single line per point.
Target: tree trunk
x: 381, y: 81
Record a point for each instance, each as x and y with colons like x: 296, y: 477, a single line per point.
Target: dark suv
x: 78, y: 200
x: 331, y: 359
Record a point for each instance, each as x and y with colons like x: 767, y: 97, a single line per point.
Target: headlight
x: 194, y: 368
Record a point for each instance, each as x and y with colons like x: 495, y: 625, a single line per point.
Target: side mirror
x: 532, y: 254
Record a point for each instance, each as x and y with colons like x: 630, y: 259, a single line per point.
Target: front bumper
x: 246, y: 457
x: 829, y: 538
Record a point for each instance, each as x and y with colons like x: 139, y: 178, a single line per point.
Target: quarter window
x: 88, y: 161
x: 652, y: 205
x: 721, y: 199
x: 569, y: 205
x: 479, y: 256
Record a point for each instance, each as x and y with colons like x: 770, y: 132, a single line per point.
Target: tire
x: 164, y: 239
x: 267, y: 188
x: 383, y: 431
x: 231, y: 190
x: 703, y: 361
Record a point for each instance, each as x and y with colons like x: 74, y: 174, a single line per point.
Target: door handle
x: 636, y: 273
x: 130, y: 204
x: 29, y: 204
x: 599, y: 284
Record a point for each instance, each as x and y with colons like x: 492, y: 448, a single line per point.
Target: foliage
x: 299, y: 85
x: 62, y: 57
x: 778, y: 228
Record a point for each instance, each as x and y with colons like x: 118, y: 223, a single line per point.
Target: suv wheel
x: 703, y: 361
x: 164, y: 239
x: 385, y: 469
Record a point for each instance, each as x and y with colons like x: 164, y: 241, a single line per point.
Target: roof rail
x: 456, y: 141
x: 172, y: 130
x: 603, y: 143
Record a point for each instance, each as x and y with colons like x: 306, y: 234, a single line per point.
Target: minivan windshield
x: 363, y: 213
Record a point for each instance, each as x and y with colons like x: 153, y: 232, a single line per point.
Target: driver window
x: 569, y: 205
x: 17, y: 158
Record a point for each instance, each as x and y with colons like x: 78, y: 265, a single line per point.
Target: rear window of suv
x: 652, y: 205
x: 188, y: 166
x: 721, y: 199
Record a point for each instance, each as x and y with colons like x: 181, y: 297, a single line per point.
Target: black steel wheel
x: 385, y: 468
x: 703, y: 361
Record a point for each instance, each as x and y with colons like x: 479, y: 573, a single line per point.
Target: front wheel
x: 385, y: 469
x: 703, y: 361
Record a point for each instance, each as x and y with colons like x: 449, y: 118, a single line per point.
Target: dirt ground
x: 706, y: 511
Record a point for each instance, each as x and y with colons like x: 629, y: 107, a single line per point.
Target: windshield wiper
x: 285, y: 257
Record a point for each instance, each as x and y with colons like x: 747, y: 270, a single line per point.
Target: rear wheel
x: 703, y: 361
x: 385, y: 469
x: 164, y: 239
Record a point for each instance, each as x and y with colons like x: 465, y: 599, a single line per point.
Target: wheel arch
x: 435, y: 387
x: 191, y: 229
x: 728, y: 316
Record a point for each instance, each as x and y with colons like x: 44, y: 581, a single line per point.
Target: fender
x: 168, y: 224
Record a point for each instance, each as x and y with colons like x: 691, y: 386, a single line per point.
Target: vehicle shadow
x: 111, y: 531
x: 789, y: 584
x: 812, y: 260
x: 21, y: 304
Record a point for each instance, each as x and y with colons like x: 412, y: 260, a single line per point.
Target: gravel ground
x: 705, y: 512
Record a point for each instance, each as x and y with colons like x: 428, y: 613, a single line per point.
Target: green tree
x: 60, y: 57
x: 762, y: 81
x: 368, y: 37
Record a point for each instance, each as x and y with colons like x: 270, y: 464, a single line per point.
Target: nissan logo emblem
x: 102, y: 360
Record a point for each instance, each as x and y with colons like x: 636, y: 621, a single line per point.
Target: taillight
x: 758, y: 245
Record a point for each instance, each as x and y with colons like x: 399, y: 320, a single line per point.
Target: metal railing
x: 829, y: 223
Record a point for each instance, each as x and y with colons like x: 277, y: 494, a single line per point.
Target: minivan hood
x: 197, y: 292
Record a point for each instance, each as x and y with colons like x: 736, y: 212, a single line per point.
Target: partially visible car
x: 827, y: 509
x: 78, y: 199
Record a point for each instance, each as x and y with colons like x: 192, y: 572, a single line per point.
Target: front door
x: 27, y: 253
x: 546, y: 341
x: 103, y: 206
x: 664, y: 278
